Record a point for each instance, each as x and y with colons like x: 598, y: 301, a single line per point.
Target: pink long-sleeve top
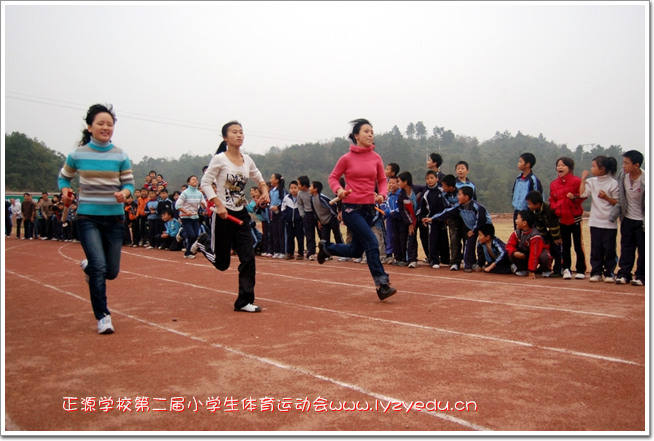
x: 363, y: 169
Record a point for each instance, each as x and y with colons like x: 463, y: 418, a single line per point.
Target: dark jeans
x: 227, y: 235
x: 101, y: 238
x: 571, y: 234
x: 309, y: 224
x: 358, y: 219
x: 603, y: 256
x: 28, y: 224
x: 632, y: 239
x: 190, y: 233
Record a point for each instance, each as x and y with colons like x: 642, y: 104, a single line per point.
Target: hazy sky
x: 296, y: 72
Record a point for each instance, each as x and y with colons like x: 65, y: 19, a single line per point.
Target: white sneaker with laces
x: 636, y: 282
x: 413, y: 264
x: 105, y: 326
x: 595, y: 278
x: 620, y: 281
x: 435, y: 266
x: 580, y: 276
x: 249, y: 308
x: 609, y: 279
x: 567, y: 274
x: 454, y: 267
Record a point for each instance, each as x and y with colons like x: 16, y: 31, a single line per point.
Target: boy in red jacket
x: 526, y: 248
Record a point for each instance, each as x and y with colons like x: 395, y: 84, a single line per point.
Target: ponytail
x: 222, y: 147
x: 608, y: 163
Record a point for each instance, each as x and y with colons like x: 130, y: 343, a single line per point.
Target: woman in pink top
x: 365, y: 180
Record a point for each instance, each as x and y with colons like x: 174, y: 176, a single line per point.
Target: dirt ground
x: 451, y: 352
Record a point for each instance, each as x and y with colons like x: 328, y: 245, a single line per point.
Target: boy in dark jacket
x: 432, y: 203
x: 293, y: 223
x: 473, y: 215
x: 548, y: 225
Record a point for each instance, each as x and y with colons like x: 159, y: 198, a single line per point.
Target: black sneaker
x: 201, y: 238
x: 385, y: 291
x: 322, y: 253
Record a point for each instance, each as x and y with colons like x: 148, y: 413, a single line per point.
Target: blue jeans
x: 358, y: 218
x: 102, y: 239
x: 190, y: 233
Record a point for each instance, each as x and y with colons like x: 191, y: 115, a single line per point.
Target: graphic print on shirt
x: 234, y: 189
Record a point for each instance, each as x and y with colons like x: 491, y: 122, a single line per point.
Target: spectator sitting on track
x: 491, y: 252
x: 167, y: 238
x: 548, y: 225
x: 526, y: 248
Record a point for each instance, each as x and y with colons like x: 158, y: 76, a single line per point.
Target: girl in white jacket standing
x: 603, y: 188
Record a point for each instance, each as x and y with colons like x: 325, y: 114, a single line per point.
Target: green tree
x: 410, y: 130
x: 30, y: 165
x: 421, y: 130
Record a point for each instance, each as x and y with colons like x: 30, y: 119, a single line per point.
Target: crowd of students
x: 454, y: 229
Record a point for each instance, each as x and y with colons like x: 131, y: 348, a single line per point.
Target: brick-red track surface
x: 502, y: 353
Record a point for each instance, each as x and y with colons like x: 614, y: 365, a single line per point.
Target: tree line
x: 32, y: 166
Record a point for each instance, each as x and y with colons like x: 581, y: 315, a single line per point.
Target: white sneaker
x: 595, y: 278
x: 454, y: 267
x: 636, y: 282
x: 105, y: 326
x: 580, y: 276
x: 567, y: 274
x: 546, y: 274
x: 357, y: 260
x: 311, y: 257
x: 344, y: 259
x: 435, y: 266
x: 194, y: 247
x: 413, y: 264
x: 189, y: 256
x: 609, y: 279
x: 521, y: 273
x: 249, y: 308
x: 179, y: 237
x: 620, y: 281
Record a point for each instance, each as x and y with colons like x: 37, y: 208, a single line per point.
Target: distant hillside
x: 32, y: 166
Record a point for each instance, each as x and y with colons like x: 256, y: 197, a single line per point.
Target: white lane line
x: 448, y: 297
x: 265, y: 360
x: 406, y: 324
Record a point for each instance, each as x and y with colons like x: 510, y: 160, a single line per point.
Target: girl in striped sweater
x: 105, y: 179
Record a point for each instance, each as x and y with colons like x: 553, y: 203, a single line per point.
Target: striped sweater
x: 103, y: 170
x: 190, y: 200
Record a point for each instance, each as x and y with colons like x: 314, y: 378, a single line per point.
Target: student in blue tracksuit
x: 293, y: 222
x: 525, y: 182
x: 473, y: 215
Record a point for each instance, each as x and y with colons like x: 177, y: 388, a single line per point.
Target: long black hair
x: 223, y: 145
x: 356, y: 128
x: 90, y: 117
